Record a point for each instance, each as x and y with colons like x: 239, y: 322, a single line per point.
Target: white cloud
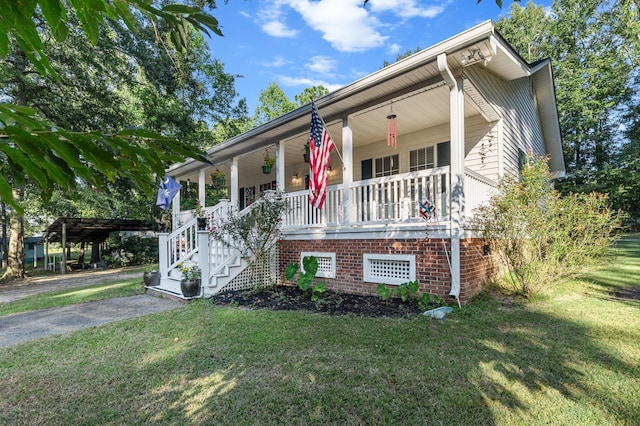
x: 278, y: 29
x: 306, y: 82
x: 277, y: 62
x: 406, y: 8
x: 323, y: 65
x: 346, y: 24
x: 393, y: 49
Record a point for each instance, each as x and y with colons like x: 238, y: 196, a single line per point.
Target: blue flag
x: 168, y: 189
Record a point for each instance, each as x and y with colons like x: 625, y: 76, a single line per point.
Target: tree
x: 401, y: 56
x: 586, y: 40
x: 309, y: 94
x: 35, y: 148
x: 71, y: 154
x: 274, y: 103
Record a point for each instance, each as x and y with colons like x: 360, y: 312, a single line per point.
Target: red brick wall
x: 432, y: 268
x: 477, y: 267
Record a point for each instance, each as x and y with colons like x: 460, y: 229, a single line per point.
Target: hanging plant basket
x: 266, y: 169
x: 306, y: 156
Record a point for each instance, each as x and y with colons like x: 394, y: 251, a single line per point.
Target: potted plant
x: 217, y: 178
x: 151, y: 277
x: 200, y: 217
x: 306, y: 152
x: 269, y: 162
x: 190, y: 282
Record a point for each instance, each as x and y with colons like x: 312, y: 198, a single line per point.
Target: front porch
x: 375, y: 209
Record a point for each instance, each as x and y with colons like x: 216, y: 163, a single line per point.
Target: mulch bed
x: 292, y: 298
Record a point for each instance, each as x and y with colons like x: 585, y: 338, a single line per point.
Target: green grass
x: 90, y: 293
x: 569, y: 358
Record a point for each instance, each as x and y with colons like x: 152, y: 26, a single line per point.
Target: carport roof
x: 92, y: 229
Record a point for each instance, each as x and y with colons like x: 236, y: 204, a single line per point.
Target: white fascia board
x: 542, y: 76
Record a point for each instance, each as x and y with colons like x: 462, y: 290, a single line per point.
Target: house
x: 33, y: 249
x: 467, y: 110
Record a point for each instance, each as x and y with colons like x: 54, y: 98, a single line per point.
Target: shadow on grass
x: 486, y: 364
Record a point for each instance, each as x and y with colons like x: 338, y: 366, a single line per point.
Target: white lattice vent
x: 326, y: 263
x: 263, y: 274
x: 389, y: 268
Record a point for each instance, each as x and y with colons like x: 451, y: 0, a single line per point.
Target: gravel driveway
x: 22, y: 327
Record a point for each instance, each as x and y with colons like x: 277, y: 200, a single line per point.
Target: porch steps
x: 169, y: 288
x: 226, y: 274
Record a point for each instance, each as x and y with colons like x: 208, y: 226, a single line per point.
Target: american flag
x: 320, y: 144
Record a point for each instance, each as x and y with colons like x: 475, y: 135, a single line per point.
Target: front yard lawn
x: 571, y: 357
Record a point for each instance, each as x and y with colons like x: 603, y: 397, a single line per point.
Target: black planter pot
x: 190, y: 288
x: 306, y: 156
x: 202, y: 223
x: 151, y: 278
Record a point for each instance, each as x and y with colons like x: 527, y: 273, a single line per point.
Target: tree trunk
x: 5, y: 240
x: 15, y: 261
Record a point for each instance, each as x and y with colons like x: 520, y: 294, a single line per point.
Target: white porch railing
x: 397, y: 198
x: 478, y: 190
x: 182, y: 244
x: 300, y: 212
x: 389, y: 199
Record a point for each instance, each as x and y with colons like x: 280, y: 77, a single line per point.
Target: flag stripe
x: 320, y: 144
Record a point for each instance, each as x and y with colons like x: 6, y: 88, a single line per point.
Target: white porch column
x: 457, y: 182
x: 163, y: 254
x: 63, y: 264
x: 234, y: 187
x: 203, y: 257
x: 175, y: 212
x: 201, y: 187
x: 281, y: 177
x: 456, y: 107
x: 348, y: 212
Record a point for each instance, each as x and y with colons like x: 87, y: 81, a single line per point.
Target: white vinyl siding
x: 514, y: 101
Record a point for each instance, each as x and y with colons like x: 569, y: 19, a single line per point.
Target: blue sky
x: 303, y: 43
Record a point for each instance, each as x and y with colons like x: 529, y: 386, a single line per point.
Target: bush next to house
x: 541, y: 237
x: 254, y: 231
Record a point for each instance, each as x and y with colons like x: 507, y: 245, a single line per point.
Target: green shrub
x: 305, y: 279
x: 408, y: 293
x: 541, y: 237
x: 129, y: 251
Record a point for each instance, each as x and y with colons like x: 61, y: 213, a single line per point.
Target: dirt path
x: 40, y: 284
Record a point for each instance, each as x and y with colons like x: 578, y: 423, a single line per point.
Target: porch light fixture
x: 392, y: 129
x: 295, y: 179
x: 330, y: 171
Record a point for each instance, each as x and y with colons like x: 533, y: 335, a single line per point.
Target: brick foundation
x: 432, y: 267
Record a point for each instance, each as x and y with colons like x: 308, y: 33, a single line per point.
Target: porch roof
x: 400, y: 84
x: 92, y: 229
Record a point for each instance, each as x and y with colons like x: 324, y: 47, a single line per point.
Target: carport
x: 84, y: 231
